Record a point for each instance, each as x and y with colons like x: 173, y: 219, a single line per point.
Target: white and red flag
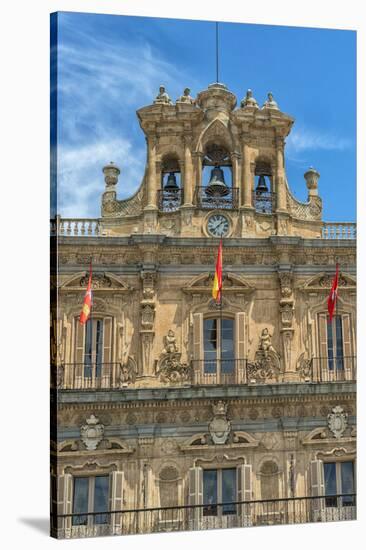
x: 333, y: 295
x: 88, y: 300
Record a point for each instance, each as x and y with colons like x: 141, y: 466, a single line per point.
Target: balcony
x: 226, y: 372
x: 229, y: 201
x: 264, y: 202
x: 335, y: 369
x: 202, y: 517
x: 75, y: 227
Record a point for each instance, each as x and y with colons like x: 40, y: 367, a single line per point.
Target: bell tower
x: 213, y: 164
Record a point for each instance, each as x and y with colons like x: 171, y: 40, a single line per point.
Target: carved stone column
x: 235, y: 170
x: 147, y: 332
x: 287, y: 330
x: 151, y: 173
x: 246, y: 176
x: 197, y: 158
x: 280, y: 176
x: 188, y: 171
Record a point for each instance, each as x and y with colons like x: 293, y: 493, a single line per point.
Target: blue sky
x: 110, y: 65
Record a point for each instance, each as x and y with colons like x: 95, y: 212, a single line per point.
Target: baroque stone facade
x: 164, y: 387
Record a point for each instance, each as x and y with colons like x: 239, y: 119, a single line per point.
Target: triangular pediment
x: 323, y: 281
x: 100, y: 281
x: 230, y: 283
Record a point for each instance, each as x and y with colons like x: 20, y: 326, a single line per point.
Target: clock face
x: 218, y: 225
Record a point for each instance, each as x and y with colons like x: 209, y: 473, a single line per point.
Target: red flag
x: 332, y: 298
x: 217, y: 284
x: 87, y: 304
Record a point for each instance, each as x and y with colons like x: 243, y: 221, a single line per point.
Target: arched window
x: 170, y: 194
x: 217, y: 179
x: 263, y: 195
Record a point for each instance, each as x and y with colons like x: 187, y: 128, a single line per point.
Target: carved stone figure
x: 186, y: 97
x: 162, y: 96
x: 270, y: 103
x: 304, y: 368
x: 249, y: 100
x: 265, y: 343
x: 127, y: 373
x: 91, y: 433
x: 220, y: 426
x: 170, y: 342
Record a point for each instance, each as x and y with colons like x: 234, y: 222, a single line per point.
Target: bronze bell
x: 217, y: 186
x: 171, y: 185
x: 262, y: 185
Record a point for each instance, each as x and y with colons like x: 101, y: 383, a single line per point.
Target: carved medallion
x: 91, y: 433
x: 220, y: 426
x: 337, y: 421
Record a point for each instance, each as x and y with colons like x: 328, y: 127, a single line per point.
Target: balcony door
x: 335, y: 361
x: 339, y: 480
x: 93, y: 353
x: 219, y: 353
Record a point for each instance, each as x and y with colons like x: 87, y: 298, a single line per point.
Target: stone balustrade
x: 339, y: 230
x: 75, y: 227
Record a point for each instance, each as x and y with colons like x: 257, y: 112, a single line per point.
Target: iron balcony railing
x: 88, y: 376
x: 219, y: 371
x: 334, y: 369
x: 264, y: 203
x: 211, y: 202
x: 95, y: 375
x: 169, y: 201
x: 284, y: 511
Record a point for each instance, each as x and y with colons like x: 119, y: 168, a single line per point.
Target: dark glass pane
x: 88, y: 349
x: 99, y: 346
x: 330, y: 481
x: 210, y: 492
x: 80, y: 500
x: 210, y: 345
x: 229, y: 491
x: 227, y: 343
x: 339, y: 342
x: 101, y: 496
x: 347, y: 479
x: 330, y: 344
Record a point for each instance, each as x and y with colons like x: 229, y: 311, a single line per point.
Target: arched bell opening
x: 217, y: 179
x: 170, y: 192
x: 263, y: 193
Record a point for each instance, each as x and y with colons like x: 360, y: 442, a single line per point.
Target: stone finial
x: 163, y: 97
x: 111, y: 173
x: 311, y: 177
x: 186, y: 97
x: 270, y: 103
x: 249, y: 101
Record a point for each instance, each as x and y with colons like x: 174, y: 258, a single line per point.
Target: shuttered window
x: 219, y: 486
x: 91, y: 495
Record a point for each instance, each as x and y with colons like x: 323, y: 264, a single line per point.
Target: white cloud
x: 100, y: 85
x: 305, y: 139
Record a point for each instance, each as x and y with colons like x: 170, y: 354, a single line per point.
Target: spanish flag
x: 87, y: 304
x: 217, y: 284
x: 333, y: 295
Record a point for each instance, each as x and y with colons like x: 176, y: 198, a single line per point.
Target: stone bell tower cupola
x: 214, y: 168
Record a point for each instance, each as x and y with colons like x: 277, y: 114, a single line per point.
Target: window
x: 219, y: 346
x: 339, y: 480
x: 93, y: 351
x: 91, y: 495
x: 335, y: 343
x: 219, y: 486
